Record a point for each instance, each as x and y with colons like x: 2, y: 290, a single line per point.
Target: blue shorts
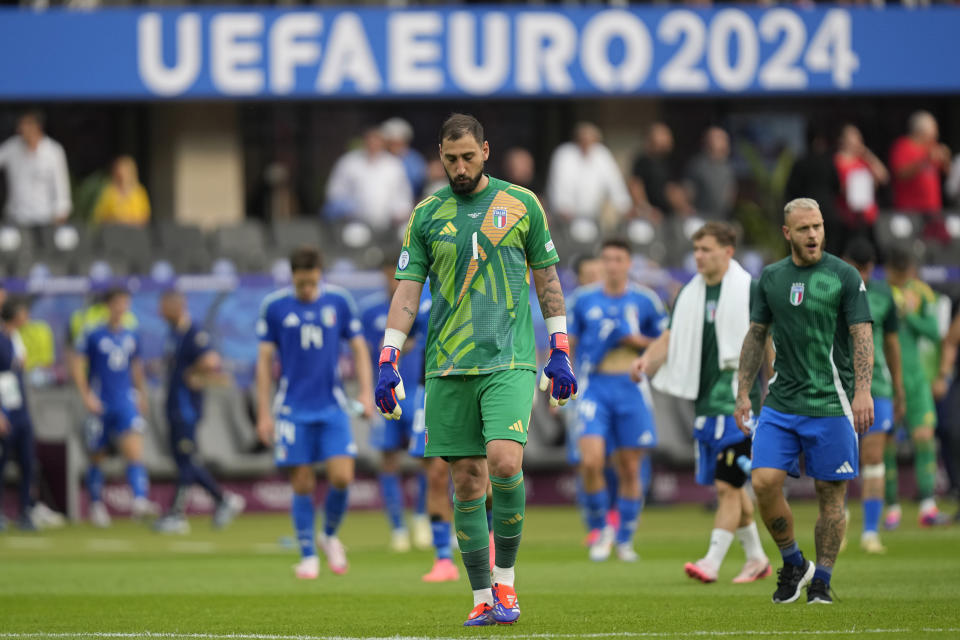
x: 617, y: 409
x: 829, y: 445
x: 882, y: 416
x: 713, y: 434
x: 394, y: 435
x: 100, y: 431
x: 299, y: 443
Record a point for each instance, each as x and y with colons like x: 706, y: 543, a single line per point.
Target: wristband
x: 556, y: 324
x: 394, y: 338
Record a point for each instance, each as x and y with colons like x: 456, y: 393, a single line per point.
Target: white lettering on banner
x: 735, y: 24
x: 679, y: 73
x: 780, y: 71
x: 831, y: 48
x: 638, y: 51
x: 488, y: 74
x: 235, y: 60
x: 348, y: 57
x: 290, y: 48
x: 158, y: 78
x: 414, y: 59
x: 546, y: 45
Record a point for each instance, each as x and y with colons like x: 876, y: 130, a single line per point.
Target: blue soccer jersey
x: 373, y: 317
x: 184, y: 347
x: 109, y: 354
x: 308, y: 337
x: 13, y: 399
x: 599, y: 321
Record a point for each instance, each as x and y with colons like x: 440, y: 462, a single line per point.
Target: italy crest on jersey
x: 499, y: 218
x: 711, y: 311
x: 796, y: 294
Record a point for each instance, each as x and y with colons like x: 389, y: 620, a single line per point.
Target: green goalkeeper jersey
x: 477, y: 251
x: 811, y: 309
x: 884, y: 313
x: 916, y: 325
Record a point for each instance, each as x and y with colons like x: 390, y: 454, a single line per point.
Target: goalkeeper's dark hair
x: 305, y: 259
x: 901, y: 258
x: 616, y: 243
x: 860, y: 252
x: 459, y: 125
x: 12, y: 306
x: 723, y: 233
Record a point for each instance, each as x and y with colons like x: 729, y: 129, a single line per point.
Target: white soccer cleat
x: 233, y: 504
x: 336, y: 553
x: 98, y: 515
x: 400, y: 541
x: 172, y: 524
x: 46, y: 518
x: 308, y: 568
x: 626, y: 552
x: 143, y: 508
x: 870, y: 543
x: 702, y: 570
x: 601, y: 548
x: 422, y: 533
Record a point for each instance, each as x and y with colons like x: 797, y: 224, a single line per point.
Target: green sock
x: 509, y: 502
x: 925, y: 467
x: 473, y: 538
x: 890, y: 487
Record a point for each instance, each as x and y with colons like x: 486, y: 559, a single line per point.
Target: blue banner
x: 454, y: 52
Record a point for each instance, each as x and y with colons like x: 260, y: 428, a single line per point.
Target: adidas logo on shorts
x: 844, y: 468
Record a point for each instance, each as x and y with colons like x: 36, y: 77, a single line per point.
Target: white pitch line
x: 110, y: 544
x: 28, y: 542
x: 192, y: 547
x: 532, y: 636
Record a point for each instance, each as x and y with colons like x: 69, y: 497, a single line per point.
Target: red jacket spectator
x: 916, y: 161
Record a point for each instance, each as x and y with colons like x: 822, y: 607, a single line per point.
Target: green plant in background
x: 759, y: 211
x: 86, y: 192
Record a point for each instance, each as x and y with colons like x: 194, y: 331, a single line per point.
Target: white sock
x: 503, y: 576
x: 483, y: 595
x: 928, y: 504
x: 750, y: 540
x: 720, y: 540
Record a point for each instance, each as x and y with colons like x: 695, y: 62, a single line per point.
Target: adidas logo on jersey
x: 844, y: 468
x: 516, y: 426
x: 291, y: 320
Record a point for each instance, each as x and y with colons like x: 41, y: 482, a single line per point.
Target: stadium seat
x: 16, y: 251
x: 645, y: 237
x: 125, y: 245
x: 894, y: 228
x: 242, y: 244
x: 62, y: 248
x: 184, y: 246
x: 290, y: 234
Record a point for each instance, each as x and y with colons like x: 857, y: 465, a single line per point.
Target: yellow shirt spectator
x: 123, y: 200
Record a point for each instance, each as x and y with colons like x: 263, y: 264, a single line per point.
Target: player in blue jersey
x: 303, y: 327
x: 192, y: 365
x: 612, y: 323
x: 109, y: 374
x: 392, y: 437
x: 16, y: 428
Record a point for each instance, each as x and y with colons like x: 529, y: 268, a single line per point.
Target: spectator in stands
x: 123, y: 200
x: 952, y: 186
x: 38, y: 184
x: 369, y: 184
x: 398, y: 134
x: 656, y: 193
x: 859, y: 172
x: 585, y: 179
x: 710, y: 181
x: 917, y: 161
x: 814, y: 175
x: 436, y: 177
x: 519, y: 168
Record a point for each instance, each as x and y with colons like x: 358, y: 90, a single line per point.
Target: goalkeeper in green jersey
x: 477, y: 240
x: 916, y: 304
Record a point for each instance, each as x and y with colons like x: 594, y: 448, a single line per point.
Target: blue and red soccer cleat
x: 506, y: 609
x: 481, y: 616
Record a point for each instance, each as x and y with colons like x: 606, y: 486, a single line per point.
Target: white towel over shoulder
x: 680, y: 374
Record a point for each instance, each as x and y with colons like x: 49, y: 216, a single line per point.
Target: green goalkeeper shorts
x: 464, y: 413
x: 921, y: 410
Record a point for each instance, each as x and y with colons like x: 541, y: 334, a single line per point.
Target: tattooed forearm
x: 410, y: 312
x: 751, y: 355
x: 549, y: 292
x: 862, y: 337
x: 828, y: 533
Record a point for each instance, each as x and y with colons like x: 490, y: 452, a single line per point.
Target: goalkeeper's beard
x: 462, y: 185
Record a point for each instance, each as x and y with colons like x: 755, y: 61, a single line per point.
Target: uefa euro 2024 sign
x: 512, y: 52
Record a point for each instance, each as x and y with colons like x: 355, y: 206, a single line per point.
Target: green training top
x: 884, y: 313
x: 812, y: 308
x: 477, y: 251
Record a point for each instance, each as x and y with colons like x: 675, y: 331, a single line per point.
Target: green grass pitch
x: 127, y: 582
